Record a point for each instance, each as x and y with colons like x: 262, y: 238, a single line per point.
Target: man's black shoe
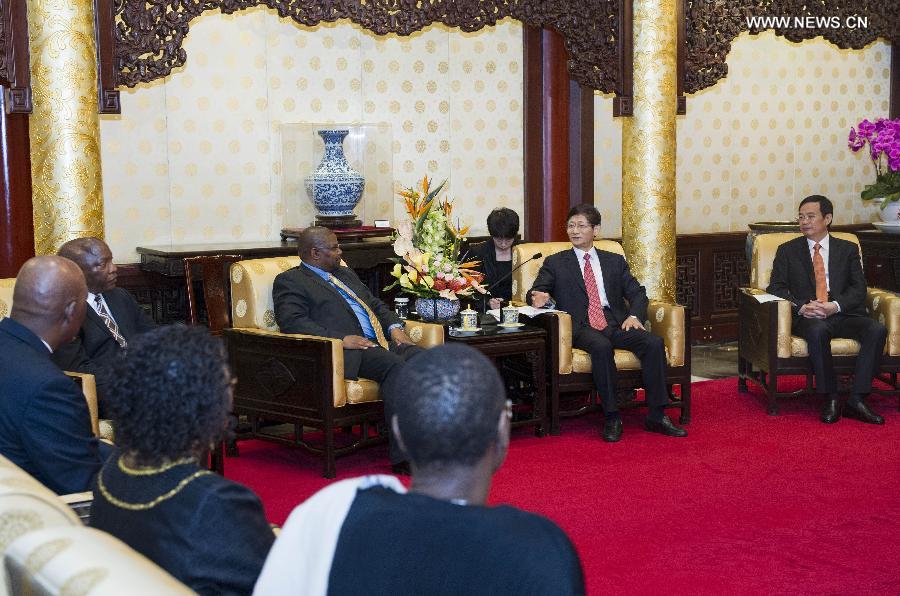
x: 665, y: 427
x: 401, y: 468
x: 831, y: 412
x: 860, y: 411
x: 612, y: 430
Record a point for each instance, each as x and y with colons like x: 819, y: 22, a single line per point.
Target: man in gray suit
x: 320, y: 297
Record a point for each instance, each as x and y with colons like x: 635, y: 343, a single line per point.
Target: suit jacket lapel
x: 806, y: 261
x: 575, y: 270
x: 609, y: 283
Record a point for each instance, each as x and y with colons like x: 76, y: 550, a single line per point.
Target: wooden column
x: 16, y: 223
x: 559, y: 137
x: 895, y: 79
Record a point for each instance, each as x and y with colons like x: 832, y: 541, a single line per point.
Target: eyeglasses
x: 579, y: 227
x: 811, y: 217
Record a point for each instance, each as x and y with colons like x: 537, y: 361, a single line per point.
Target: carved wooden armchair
x: 569, y: 369
x: 766, y: 347
x: 295, y: 378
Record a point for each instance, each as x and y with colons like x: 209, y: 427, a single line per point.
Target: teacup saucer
x: 512, y: 325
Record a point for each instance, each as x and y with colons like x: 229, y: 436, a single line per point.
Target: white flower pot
x: 890, y: 211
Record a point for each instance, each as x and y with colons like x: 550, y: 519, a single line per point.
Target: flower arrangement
x: 883, y: 138
x: 427, y: 247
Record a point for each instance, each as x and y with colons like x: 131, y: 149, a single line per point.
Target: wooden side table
x: 498, y: 342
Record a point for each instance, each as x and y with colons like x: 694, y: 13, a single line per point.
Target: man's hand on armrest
x: 539, y: 299
x: 357, y: 342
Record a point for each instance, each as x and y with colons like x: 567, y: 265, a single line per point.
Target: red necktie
x: 595, y: 306
x: 819, y: 271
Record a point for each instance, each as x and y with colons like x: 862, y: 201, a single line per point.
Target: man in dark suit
x: 45, y: 427
x: 320, y: 297
x: 607, y: 305
x: 113, y: 317
x: 823, y: 279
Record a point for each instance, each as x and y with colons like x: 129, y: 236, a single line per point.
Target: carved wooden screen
x: 711, y: 25
x: 149, y: 35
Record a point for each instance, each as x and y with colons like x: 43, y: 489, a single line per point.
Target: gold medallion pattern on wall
x: 198, y: 156
x: 772, y: 132
x: 648, y: 152
x: 64, y: 127
x: 775, y: 130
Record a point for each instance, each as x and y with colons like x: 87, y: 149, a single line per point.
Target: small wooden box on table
x: 497, y: 342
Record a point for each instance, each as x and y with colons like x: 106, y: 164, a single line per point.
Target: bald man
x: 45, y: 427
x: 113, y: 315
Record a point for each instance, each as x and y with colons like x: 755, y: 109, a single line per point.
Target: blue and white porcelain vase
x: 437, y: 309
x: 334, y: 187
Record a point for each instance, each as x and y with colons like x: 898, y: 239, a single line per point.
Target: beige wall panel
x: 486, y: 84
x: 220, y: 150
x: 197, y: 157
x: 608, y: 166
x: 775, y: 130
x: 135, y: 162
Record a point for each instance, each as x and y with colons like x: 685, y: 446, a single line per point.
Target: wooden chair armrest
x: 884, y: 307
x: 88, y: 385
x: 293, y: 359
x: 558, y: 325
x: 80, y: 503
x: 426, y: 335
x: 765, y: 330
x: 668, y: 322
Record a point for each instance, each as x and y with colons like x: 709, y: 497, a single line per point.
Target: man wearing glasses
x: 823, y: 279
x: 607, y: 305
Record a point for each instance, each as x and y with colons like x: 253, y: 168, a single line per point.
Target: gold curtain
x: 648, y: 151
x: 65, y: 126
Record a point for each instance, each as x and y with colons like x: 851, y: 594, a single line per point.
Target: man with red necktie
x: 822, y: 276
x: 607, y: 305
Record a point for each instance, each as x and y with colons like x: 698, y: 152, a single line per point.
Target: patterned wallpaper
x: 216, y: 152
x: 772, y: 132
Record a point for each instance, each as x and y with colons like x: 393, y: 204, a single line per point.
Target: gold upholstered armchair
x: 570, y: 368
x: 295, y: 378
x: 766, y: 347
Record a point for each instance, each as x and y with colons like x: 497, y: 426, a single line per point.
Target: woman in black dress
x: 496, y: 254
x: 170, y: 401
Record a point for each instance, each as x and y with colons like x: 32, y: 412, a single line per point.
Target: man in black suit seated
x: 607, y: 305
x: 368, y: 535
x: 822, y: 277
x: 45, y: 427
x: 113, y: 319
x: 320, y: 297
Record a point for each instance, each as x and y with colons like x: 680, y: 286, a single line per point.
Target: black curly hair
x: 447, y: 401
x: 170, y: 394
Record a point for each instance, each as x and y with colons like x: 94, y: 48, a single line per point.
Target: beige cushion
x: 839, y: 347
x: 524, y: 277
x: 26, y: 506
x: 251, y: 291
x: 6, y: 295
x: 79, y: 560
x: 763, y: 255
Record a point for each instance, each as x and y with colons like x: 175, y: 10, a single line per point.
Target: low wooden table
x: 497, y: 342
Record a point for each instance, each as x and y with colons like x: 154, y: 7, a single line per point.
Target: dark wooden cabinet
x: 881, y: 258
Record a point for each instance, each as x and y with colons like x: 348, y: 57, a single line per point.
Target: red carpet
x: 748, y: 503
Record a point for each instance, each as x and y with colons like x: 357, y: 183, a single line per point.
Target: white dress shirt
x: 598, y: 272
x: 91, y: 302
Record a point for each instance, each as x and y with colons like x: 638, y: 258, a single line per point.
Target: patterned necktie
x: 595, y: 306
x: 819, y: 270
x: 376, y: 325
x: 108, y: 320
